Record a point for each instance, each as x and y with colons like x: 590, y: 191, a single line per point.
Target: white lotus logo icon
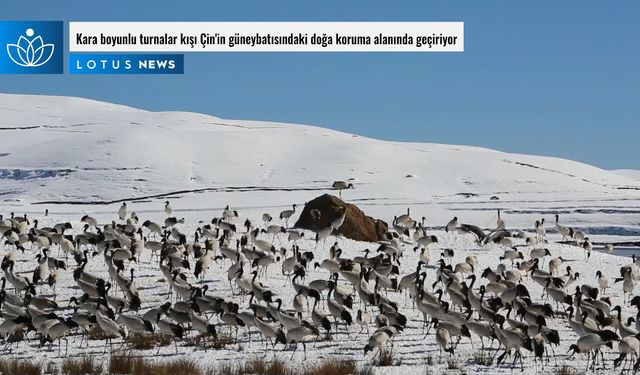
x: 30, y: 51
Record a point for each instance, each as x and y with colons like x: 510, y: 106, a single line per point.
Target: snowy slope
x: 629, y: 173
x: 69, y: 149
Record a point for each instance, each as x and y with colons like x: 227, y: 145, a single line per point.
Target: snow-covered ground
x: 75, y: 156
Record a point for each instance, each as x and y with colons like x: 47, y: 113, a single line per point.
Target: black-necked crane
x: 171, y: 329
x: 230, y: 318
x: 272, y: 334
x: 85, y: 320
x: 539, y: 253
x: 319, y: 285
x: 539, y: 331
x: 228, y: 214
x: 275, y: 230
x: 608, y: 319
x: 451, y: 225
x: 134, y: 324
x: 154, y: 228
x: 511, y: 339
x: 301, y: 334
x: 295, y: 236
x: 322, y: 235
x: 20, y: 283
x: 512, y: 275
x: 304, y: 289
x: 337, y: 310
x: 263, y: 261
x: 425, y: 255
x: 482, y: 329
x: 554, y: 265
x: 569, y: 277
x: 526, y: 265
x: 320, y: 318
x: 408, y: 280
x: 531, y: 241
x: 266, y: 219
x: 299, y: 303
x: 341, y: 185
x: 463, y: 268
x: 109, y: 326
x: 12, y: 235
x: 512, y: 254
x: 167, y: 208
x: 628, y: 329
x: 426, y: 241
x: 288, y: 265
x: 443, y: 338
x: 537, y: 342
x: 628, y: 346
x: 628, y: 282
x: 91, y: 221
x: 420, y: 229
x: 590, y: 345
x: 286, y: 214
x: 503, y: 241
x: 499, y: 222
x: 603, y: 281
x: 172, y: 221
x: 124, y: 283
x: 243, y: 282
x: 558, y: 295
x: 454, y: 329
x: 203, y: 264
x: 378, y: 340
x: 341, y: 295
x: 122, y: 211
x: 41, y: 273
x: 566, y: 232
x: 261, y: 292
x: 363, y: 319
x: 39, y: 242
x: 447, y: 254
x: 59, y: 331
x: 541, y: 231
x: 40, y: 302
x: 587, y: 246
x: 339, y: 220
x: 582, y: 325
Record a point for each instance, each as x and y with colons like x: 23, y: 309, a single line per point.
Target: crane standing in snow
x: 341, y: 185
x: 122, y: 212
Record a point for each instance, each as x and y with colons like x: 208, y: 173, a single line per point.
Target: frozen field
x: 76, y: 157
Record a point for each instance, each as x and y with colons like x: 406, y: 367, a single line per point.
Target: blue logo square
x: 31, y: 47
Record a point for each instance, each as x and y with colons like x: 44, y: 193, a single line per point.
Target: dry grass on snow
x: 127, y: 363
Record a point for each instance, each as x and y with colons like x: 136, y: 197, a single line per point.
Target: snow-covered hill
x: 633, y: 174
x: 70, y: 149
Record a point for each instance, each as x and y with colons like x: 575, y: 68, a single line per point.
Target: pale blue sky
x: 547, y: 77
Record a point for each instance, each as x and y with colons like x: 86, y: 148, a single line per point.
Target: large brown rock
x: 319, y: 213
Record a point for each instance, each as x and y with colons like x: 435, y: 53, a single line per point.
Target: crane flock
x: 225, y: 275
